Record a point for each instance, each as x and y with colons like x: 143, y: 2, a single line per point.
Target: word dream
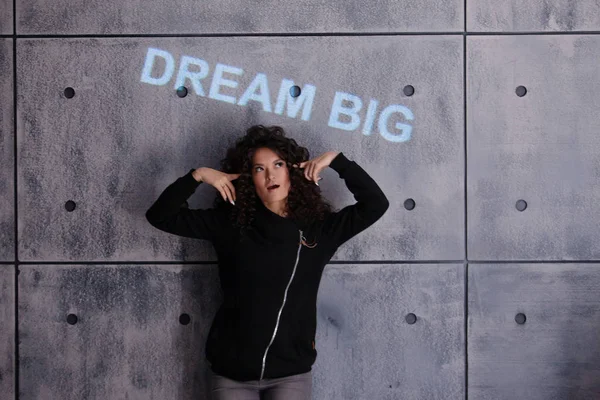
x: 343, y: 104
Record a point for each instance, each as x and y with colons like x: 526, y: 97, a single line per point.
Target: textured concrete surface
x: 7, y: 187
x: 7, y: 331
x: 6, y: 17
x: 543, y: 148
x: 367, y: 349
x: 123, y: 140
x: 555, y: 354
x: 262, y: 16
x: 528, y: 16
x: 127, y: 342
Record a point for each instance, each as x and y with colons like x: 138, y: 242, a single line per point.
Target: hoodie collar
x: 265, y: 212
x: 271, y: 218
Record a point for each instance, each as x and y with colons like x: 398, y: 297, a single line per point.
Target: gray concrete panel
x: 6, y: 17
x: 555, y: 353
x: 7, y: 161
x: 7, y: 331
x: 127, y: 342
x: 368, y: 350
x: 542, y: 148
x: 218, y: 16
x: 126, y: 135
x: 536, y: 16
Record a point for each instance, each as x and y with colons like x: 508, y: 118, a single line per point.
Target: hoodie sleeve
x: 371, y: 202
x: 169, y: 214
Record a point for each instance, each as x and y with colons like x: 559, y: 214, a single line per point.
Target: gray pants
x: 295, y: 387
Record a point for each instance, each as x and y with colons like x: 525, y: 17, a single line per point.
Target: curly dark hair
x: 304, y: 201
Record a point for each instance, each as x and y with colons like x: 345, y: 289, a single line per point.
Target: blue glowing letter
x: 218, y: 80
x: 147, y: 71
x: 370, y: 118
x: 385, y: 114
x: 195, y: 77
x: 337, y: 109
x: 260, y: 81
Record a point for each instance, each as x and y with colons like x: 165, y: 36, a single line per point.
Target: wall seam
x: 16, y: 364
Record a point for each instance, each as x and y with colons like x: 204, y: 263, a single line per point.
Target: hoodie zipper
x: 262, y: 372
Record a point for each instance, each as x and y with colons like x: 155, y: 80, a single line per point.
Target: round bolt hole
x: 70, y: 205
x: 71, y: 319
x: 521, y: 205
x: 182, y: 91
x: 411, y: 318
x: 409, y: 90
x: 295, y: 91
x: 69, y: 93
x: 184, y: 319
x: 521, y: 91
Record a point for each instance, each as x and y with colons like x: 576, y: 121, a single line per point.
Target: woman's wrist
x: 197, y: 174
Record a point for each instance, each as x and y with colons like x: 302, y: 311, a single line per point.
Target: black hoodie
x: 270, y: 275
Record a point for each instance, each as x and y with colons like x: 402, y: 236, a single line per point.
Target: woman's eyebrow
x: 279, y: 159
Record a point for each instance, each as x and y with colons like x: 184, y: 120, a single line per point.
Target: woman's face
x: 269, y: 169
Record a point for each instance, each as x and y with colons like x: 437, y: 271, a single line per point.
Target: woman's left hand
x: 312, y: 168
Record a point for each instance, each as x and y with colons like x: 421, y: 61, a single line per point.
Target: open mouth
x: 272, y: 187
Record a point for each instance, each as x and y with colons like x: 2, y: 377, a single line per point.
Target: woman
x: 273, y: 234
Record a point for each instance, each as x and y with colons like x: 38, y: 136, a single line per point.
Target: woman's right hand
x: 220, y: 180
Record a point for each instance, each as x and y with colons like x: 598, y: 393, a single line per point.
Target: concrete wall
x: 479, y: 120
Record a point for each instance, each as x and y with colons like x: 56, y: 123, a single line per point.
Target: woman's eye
x: 280, y: 163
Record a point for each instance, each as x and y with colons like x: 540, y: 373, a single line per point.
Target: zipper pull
x: 303, y: 241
